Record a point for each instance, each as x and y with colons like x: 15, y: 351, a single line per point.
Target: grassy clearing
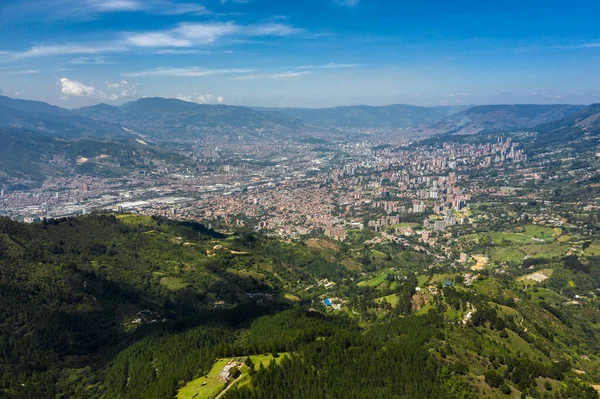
x: 195, y: 389
x: 502, y: 238
x: 247, y: 274
x: 374, y: 281
x: 135, y: 219
x: 542, y: 232
x: 391, y: 299
x: 544, y: 294
x: 422, y: 280
x: 536, y: 277
x: 593, y: 250
x: 290, y: 297
x: 213, y: 385
x: 321, y: 243
x: 506, y: 254
x: 173, y: 283
x: 487, y: 287
x: 439, y: 278
x: 546, y: 251
x: 351, y: 264
x: 265, y: 360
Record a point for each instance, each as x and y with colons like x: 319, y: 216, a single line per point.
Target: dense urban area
x: 254, y: 263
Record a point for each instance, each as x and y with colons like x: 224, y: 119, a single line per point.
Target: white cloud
x: 27, y: 72
x: 90, y: 9
x: 186, y: 8
x: 205, y: 33
x: 184, y: 72
x: 117, y: 90
x: 202, y: 34
x: 116, y: 5
x: 97, y: 59
x: 328, y: 66
x: 74, y: 88
x: 127, y: 89
x: 549, y: 94
x: 202, y: 98
x: 458, y: 95
x: 169, y: 51
x: 183, y: 36
x: 271, y: 30
x: 66, y: 49
x: 21, y: 72
x: 274, y: 76
x: 157, y: 39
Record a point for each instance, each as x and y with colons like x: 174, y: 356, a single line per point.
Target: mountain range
x: 171, y: 119
x: 38, y: 140
x: 501, y: 118
x: 31, y: 157
x: 163, y: 118
x: 579, y: 131
x: 394, y: 116
x: 53, y: 121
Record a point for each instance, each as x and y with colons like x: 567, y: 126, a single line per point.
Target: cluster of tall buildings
x: 336, y: 232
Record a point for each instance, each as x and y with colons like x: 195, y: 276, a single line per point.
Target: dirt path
x: 228, y: 386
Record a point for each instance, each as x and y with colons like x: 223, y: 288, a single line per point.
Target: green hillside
x: 35, y: 157
x: 130, y: 306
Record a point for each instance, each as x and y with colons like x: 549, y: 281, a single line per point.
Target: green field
x: 502, y: 238
x: 213, y: 386
x: 135, y: 219
x: 542, y: 232
x: 518, y: 253
x: 391, y: 299
x: 506, y: 254
x: 195, y: 389
x: 593, y: 250
x: 374, y: 281
x: 422, y: 280
x: 544, y: 294
x: 173, y: 283
x: 439, y: 278
x: 546, y: 250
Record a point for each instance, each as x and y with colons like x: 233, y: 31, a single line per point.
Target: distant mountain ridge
x: 33, y: 157
x: 53, y: 121
x: 172, y: 119
x: 164, y: 118
x: 395, y: 116
x: 580, y: 131
x: 503, y: 118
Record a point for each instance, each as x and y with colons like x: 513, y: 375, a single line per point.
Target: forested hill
x: 504, y: 118
x: 579, y: 131
x: 32, y: 157
x: 129, y: 306
x: 169, y: 118
x: 53, y: 121
x: 74, y: 292
x: 395, y: 116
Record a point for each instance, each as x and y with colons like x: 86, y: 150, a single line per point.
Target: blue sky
x: 311, y: 53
